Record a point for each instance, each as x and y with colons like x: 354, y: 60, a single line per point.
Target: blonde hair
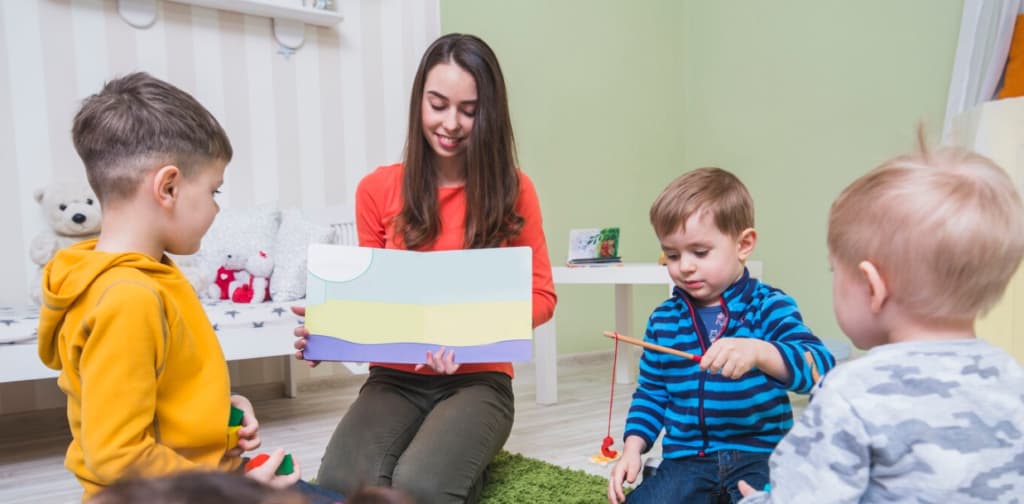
x: 705, y: 189
x: 945, y: 229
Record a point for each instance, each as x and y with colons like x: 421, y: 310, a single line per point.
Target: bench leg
x: 291, y: 388
x: 545, y: 358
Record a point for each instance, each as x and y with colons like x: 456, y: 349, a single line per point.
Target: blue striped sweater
x: 703, y: 412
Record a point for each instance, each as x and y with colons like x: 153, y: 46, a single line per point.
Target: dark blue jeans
x: 317, y: 494
x: 708, y: 479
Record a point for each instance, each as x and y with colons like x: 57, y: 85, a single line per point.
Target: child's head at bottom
x: 143, y: 140
x: 195, y: 487
x: 929, y: 238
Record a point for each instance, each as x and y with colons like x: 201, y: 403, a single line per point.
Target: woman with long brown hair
x: 431, y: 429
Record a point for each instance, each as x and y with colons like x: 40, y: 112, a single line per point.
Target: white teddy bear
x: 231, y: 275
x: 72, y: 213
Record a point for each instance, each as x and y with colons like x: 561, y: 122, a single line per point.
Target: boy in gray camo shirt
x: 919, y: 247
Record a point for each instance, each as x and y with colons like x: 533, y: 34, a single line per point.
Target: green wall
x: 612, y: 99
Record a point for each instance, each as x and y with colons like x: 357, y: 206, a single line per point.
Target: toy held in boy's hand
x: 607, y: 453
x: 234, y: 423
x: 657, y: 348
x: 287, y: 464
x: 602, y: 460
x: 606, y: 448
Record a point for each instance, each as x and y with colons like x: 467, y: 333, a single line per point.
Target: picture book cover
x: 594, y: 246
x: 379, y: 305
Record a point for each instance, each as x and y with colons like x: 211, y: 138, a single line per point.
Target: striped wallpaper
x: 305, y: 128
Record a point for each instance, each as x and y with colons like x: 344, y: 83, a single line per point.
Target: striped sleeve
x: 647, y: 411
x: 783, y: 327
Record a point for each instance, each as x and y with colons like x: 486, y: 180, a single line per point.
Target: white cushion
x: 243, y: 231
x: 288, y: 282
x: 18, y: 324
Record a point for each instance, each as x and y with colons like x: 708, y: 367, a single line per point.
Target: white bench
x: 253, y: 330
x: 245, y: 331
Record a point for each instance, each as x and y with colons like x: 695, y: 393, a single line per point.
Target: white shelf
x: 290, y: 17
x: 626, y: 273
x: 272, y: 9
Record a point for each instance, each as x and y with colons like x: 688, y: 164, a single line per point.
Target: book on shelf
x: 594, y: 247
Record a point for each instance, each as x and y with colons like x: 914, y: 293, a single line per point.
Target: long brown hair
x: 492, y: 182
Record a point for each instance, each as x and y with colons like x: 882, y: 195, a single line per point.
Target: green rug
x: 514, y: 478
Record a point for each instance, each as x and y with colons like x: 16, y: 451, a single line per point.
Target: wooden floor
x: 32, y: 444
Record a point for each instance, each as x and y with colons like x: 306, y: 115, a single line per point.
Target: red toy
x: 257, y: 288
x: 606, y: 445
x: 256, y: 461
x: 224, y: 278
x: 230, y: 274
x: 287, y: 464
x: 608, y: 454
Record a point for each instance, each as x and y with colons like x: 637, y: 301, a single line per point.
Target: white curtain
x: 986, y: 29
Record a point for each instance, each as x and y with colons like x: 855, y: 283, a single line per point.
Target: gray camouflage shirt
x: 915, y: 422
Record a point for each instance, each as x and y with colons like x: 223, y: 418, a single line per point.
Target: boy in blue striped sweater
x: 722, y: 416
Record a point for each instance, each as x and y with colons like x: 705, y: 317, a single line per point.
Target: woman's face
x: 448, y: 109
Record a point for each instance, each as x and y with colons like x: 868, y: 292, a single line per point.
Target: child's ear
x: 166, y: 185
x: 878, y: 292
x: 745, y: 243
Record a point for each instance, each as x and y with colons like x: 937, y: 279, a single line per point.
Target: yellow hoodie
x: 148, y: 389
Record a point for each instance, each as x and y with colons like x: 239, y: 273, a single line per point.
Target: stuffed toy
x: 230, y: 276
x: 72, y: 214
x: 257, y: 290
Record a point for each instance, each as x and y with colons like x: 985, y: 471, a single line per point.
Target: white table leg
x: 545, y: 358
x: 629, y: 355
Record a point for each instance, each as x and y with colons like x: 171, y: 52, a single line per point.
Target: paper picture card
x: 596, y: 244
x: 382, y: 305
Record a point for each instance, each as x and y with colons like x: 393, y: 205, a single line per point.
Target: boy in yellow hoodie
x: 147, y: 385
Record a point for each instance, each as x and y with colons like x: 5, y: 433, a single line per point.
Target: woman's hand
x: 442, y: 362
x: 302, y: 333
x: 249, y: 433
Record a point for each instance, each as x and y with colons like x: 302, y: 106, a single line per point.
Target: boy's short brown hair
x: 137, y: 123
x: 945, y: 229
x: 708, y: 189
